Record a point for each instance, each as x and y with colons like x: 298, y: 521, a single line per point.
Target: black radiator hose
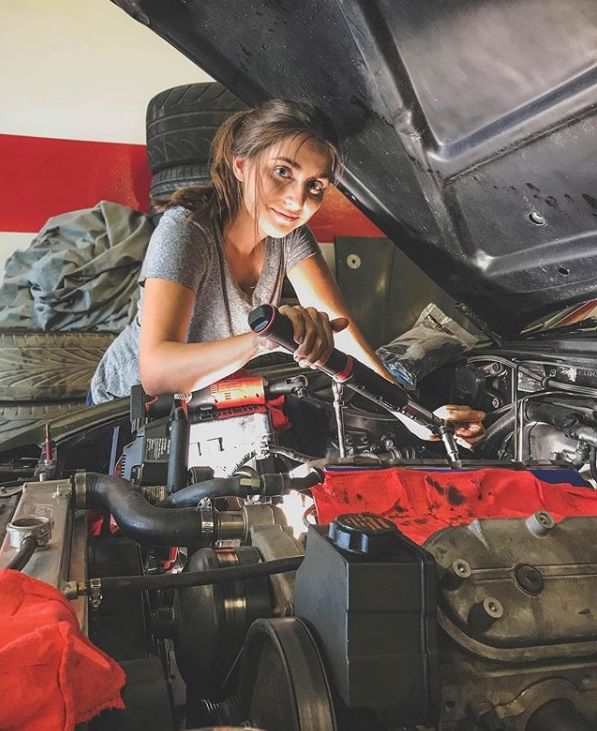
x: 496, y: 433
x: 216, y: 487
x: 267, y: 485
x: 141, y: 521
x: 558, y: 715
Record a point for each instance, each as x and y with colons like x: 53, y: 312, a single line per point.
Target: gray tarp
x: 79, y: 273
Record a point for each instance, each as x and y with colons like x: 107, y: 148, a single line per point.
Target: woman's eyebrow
x: 294, y: 164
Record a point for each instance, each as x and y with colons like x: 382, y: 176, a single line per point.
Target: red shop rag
x: 52, y: 677
x: 421, y: 502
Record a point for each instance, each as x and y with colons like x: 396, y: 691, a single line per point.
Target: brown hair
x: 248, y: 134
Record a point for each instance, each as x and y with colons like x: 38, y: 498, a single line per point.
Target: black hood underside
x: 468, y: 126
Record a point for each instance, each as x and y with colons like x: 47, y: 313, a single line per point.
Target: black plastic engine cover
x: 374, y: 616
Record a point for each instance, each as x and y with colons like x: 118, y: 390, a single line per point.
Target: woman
x: 220, y: 251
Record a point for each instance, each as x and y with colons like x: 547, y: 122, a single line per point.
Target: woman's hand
x: 465, y: 420
x: 313, y: 333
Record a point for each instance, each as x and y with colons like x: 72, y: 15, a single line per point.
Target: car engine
x: 186, y: 531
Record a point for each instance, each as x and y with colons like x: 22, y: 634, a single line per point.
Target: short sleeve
x: 299, y: 245
x: 178, y: 250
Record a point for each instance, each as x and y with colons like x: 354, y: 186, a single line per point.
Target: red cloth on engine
x: 421, y: 502
x: 52, y: 677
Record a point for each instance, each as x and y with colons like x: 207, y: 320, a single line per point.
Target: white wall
x: 81, y: 69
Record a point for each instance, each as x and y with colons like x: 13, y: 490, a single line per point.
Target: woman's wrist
x: 256, y: 345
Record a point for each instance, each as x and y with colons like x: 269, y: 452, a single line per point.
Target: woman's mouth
x: 284, y: 217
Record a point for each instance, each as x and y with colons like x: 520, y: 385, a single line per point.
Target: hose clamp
x: 80, y: 485
x: 95, y: 592
x: 38, y: 526
x: 208, y: 526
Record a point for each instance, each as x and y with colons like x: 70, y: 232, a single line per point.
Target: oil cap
x: 363, y: 533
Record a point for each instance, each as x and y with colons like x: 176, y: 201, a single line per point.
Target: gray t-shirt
x: 192, y: 254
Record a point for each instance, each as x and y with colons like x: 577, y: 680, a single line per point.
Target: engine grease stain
x: 399, y: 508
x: 585, y: 612
x: 360, y: 498
x: 455, y: 497
x: 533, y: 187
x: 590, y: 200
x: 435, y: 485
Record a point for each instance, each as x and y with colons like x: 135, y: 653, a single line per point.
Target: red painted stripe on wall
x: 42, y: 177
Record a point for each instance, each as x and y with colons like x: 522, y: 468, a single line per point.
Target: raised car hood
x: 469, y: 127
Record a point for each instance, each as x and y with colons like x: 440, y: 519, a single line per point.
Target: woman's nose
x: 294, y: 197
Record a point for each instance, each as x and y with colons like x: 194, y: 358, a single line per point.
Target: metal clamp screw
x: 95, y: 593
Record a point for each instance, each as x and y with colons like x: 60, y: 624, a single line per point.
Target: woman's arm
x: 315, y: 287
x: 167, y: 363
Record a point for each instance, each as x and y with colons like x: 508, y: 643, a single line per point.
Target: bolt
x: 483, y: 614
x: 353, y: 261
x: 493, y: 608
x: 536, y: 218
x: 461, y: 568
x: 540, y: 523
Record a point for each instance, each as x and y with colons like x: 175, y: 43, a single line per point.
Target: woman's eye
x: 281, y: 171
x: 316, y: 187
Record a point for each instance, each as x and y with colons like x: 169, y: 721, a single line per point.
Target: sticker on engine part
x: 157, y: 449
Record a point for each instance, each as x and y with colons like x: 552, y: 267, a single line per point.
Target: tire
x: 16, y: 417
x: 48, y: 366
x: 165, y: 182
x: 181, y: 123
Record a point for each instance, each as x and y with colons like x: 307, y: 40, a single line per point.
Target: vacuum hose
x: 217, y: 487
x: 268, y: 485
x: 143, y: 522
x: 207, y: 577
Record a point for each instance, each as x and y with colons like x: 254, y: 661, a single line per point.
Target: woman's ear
x: 238, y: 168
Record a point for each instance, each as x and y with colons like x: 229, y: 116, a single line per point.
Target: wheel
x: 181, y: 123
x: 50, y: 366
x: 14, y: 417
x: 165, y: 182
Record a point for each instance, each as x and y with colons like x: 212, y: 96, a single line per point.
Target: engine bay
x: 278, y: 552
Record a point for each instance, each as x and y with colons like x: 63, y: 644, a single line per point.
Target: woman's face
x: 285, y: 186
